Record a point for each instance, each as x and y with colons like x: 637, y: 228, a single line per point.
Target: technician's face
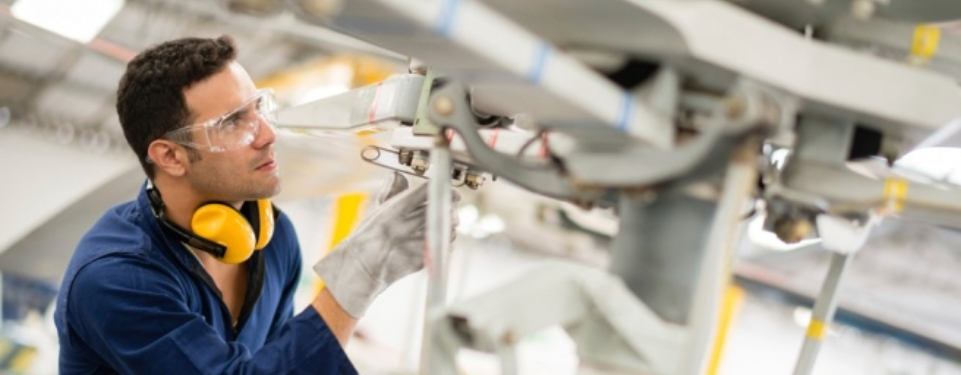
x: 242, y: 173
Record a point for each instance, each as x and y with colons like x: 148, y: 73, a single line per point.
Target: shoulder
x: 116, y: 253
x: 121, y: 228
x: 119, y: 234
x: 103, y: 286
x: 284, y: 228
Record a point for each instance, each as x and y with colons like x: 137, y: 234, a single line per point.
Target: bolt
x: 443, y: 106
x: 457, y: 173
x: 419, y: 163
x: 474, y: 180
x: 416, y: 66
x: 404, y: 157
x: 734, y: 107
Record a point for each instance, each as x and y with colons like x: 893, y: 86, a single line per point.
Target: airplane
x: 670, y: 113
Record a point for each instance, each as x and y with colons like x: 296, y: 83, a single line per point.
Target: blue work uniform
x: 135, y: 301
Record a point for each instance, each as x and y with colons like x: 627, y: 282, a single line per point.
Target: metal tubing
x: 438, y: 246
x: 823, y: 314
x: 740, y: 178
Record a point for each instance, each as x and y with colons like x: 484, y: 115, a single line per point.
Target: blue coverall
x: 135, y: 301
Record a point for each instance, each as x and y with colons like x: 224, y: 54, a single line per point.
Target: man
x: 149, y: 291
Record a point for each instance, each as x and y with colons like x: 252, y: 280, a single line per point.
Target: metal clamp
x: 462, y: 174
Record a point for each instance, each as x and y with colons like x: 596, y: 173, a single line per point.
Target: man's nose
x: 266, y: 133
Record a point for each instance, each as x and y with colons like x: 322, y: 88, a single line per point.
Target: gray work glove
x: 388, y: 245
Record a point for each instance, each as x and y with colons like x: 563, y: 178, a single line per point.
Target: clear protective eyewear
x: 234, y: 129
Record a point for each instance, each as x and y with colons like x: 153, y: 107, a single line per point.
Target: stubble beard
x: 228, y: 186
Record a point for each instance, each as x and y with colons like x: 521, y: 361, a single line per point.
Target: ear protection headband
x: 218, y: 228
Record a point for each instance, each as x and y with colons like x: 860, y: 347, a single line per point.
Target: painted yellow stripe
x: 895, y: 192
x: 817, y: 330
x: 731, y: 303
x: 6, y: 346
x: 347, y: 211
x: 346, y: 214
x: 924, y: 44
x: 23, y: 359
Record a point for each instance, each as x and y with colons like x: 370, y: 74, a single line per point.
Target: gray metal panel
x: 509, y: 70
x: 797, y: 13
x: 598, y: 24
x: 894, y: 40
x: 658, y: 250
x: 45, y: 252
x: 719, y: 35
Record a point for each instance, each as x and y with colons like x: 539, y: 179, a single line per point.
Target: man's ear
x: 168, y: 156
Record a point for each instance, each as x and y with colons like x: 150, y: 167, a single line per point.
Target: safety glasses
x: 237, y: 128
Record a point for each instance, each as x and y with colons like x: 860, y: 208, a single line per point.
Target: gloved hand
x: 388, y: 245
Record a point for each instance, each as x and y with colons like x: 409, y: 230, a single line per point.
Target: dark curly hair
x: 150, y: 97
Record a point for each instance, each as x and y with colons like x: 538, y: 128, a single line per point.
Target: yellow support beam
x: 346, y: 214
x: 23, y: 360
x: 347, y: 211
x: 730, y: 305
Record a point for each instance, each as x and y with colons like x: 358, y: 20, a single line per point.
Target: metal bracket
x: 449, y: 108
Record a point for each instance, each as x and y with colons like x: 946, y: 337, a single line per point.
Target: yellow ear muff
x: 265, y: 216
x: 222, y: 224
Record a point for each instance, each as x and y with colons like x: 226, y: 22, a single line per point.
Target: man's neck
x: 208, y: 260
x: 180, y: 201
x: 230, y: 279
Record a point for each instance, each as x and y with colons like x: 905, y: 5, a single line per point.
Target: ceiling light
x: 80, y: 20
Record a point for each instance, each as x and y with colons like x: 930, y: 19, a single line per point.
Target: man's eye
x: 247, y: 113
x: 233, y: 118
x: 228, y: 123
